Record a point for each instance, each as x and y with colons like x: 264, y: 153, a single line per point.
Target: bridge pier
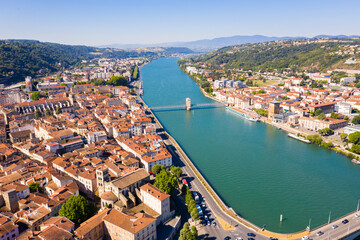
x: 188, y: 104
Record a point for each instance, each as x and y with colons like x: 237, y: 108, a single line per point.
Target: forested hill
x: 20, y: 58
x: 315, y: 55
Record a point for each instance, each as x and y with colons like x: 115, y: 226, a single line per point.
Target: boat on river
x: 244, y: 114
x: 299, y: 138
x: 356, y: 161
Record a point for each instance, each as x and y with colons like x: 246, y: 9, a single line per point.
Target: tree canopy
x: 157, y: 168
x: 117, y: 81
x: 187, y: 234
x: 354, y: 137
x: 356, y: 119
x: 176, y: 171
x: 36, y: 95
x: 77, y: 209
x: 166, y: 182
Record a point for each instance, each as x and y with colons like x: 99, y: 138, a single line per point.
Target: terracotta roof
x: 131, y: 224
x: 108, y: 196
x: 90, y: 224
x: 155, y: 192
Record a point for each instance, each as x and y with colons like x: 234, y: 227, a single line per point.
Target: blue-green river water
x: 256, y: 168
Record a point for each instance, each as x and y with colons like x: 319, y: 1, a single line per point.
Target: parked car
x: 273, y: 238
x: 345, y: 221
x: 319, y: 233
x: 305, y: 238
x: 227, y: 238
x: 357, y: 215
x: 251, y: 234
x: 334, y: 226
x: 214, y: 223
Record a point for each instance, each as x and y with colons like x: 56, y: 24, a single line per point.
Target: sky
x: 101, y: 22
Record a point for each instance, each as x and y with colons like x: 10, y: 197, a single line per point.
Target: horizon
x: 92, y: 23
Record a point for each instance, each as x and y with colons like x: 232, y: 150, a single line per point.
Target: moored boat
x: 299, y: 138
x: 244, y: 114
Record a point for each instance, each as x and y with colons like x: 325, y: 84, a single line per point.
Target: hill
x: 20, y: 58
x: 311, y: 55
x: 205, y: 45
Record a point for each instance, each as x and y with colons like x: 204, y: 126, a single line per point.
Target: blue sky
x: 98, y: 22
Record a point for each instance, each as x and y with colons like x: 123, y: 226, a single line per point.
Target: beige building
x: 130, y: 227
x: 157, y: 200
x: 316, y: 124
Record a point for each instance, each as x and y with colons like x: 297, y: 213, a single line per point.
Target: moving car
x: 334, y: 226
x: 357, y: 215
x: 214, y: 223
x: 319, y: 233
x: 345, y: 221
x: 305, y: 238
x: 273, y: 238
x: 251, y: 234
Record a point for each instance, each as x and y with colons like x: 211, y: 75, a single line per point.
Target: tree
x: 321, y: 116
x: 176, y: 171
x: 195, y: 214
x: 58, y: 110
x: 36, y: 95
x: 77, y: 209
x: 157, y: 168
x: 356, y: 119
x: 326, y: 131
x: 34, y: 187
x: 343, y: 137
x: 318, y: 112
x: 354, y: 137
x: 194, y: 232
x: 315, y: 139
x: 355, y: 148
x: 47, y: 112
x: 334, y: 115
x: 38, y: 114
x: 166, y: 182
x: 117, y: 81
x: 327, y: 145
x: 187, y: 234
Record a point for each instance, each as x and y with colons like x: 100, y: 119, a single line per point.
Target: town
x: 82, y: 158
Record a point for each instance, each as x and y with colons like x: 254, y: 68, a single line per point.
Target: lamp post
x: 329, y: 217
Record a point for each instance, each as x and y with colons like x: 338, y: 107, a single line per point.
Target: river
x: 254, y: 167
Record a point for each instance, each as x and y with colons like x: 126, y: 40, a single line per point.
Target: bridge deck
x: 192, y: 106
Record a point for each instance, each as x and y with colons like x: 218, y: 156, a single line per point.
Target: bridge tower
x: 188, y: 104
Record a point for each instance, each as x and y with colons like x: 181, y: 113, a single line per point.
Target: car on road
x: 251, y: 234
x: 319, y: 233
x: 357, y: 215
x: 214, y: 223
x: 305, y: 238
x: 251, y: 238
x: 209, y: 222
x: 227, y: 238
x: 345, y: 221
x: 273, y: 238
x: 238, y: 238
x: 334, y: 226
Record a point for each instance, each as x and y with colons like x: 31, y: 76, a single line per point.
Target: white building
x: 343, y: 108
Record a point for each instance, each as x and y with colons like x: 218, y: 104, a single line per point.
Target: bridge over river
x: 189, y: 106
